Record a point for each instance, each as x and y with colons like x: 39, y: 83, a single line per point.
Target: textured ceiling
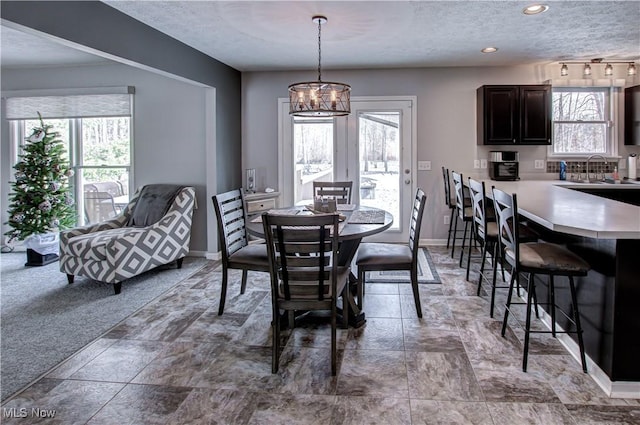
x: 277, y: 35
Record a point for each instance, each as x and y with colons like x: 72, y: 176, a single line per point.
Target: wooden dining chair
x: 303, y: 260
x: 341, y: 191
x: 237, y: 253
x: 375, y: 256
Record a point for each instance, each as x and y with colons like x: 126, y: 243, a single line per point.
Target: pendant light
x: 319, y: 98
x: 608, y: 70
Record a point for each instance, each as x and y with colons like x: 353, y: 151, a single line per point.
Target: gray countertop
x: 554, y: 205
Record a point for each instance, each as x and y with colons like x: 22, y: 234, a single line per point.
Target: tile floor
x: 177, y: 362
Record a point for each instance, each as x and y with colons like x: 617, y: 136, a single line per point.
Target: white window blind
x: 57, y: 106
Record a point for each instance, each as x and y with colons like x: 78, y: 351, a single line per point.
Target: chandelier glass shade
x: 319, y: 98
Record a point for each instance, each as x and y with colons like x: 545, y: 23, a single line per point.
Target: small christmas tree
x: 40, y: 201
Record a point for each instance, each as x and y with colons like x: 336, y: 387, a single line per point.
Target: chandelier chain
x: 319, y: 50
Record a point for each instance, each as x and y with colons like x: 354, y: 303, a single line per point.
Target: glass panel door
x: 313, y: 151
x: 373, y: 147
x: 380, y: 162
x: 379, y: 149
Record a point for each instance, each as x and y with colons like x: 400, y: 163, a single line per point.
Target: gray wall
x: 446, y: 121
x: 169, y: 126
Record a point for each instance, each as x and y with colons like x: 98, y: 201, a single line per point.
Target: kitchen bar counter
x: 606, y: 233
x: 554, y: 205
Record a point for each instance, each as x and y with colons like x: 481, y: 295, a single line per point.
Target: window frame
x: 611, y: 123
x: 18, y: 134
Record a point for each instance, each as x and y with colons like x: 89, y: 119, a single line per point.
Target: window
x: 96, y: 130
x: 582, y: 122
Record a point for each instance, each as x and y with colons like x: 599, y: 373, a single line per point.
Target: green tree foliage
x: 41, y: 201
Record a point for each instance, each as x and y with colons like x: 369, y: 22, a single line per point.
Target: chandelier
x: 319, y: 98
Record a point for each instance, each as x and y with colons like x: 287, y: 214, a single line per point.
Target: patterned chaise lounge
x: 154, y: 229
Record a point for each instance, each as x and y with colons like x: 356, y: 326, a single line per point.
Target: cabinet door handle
x: 514, y: 140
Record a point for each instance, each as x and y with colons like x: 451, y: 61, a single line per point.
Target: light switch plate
x: 424, y: 165
x: 483, y: 163
x: 476, y: 163
x: 538, y: 164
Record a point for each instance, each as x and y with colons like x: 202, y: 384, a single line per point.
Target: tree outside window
x: 581, y: 121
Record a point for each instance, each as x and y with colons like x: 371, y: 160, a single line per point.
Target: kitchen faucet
x: 596, y: 174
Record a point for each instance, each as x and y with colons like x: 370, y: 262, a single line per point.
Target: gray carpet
x: 426, y: 272
x: 44, y: 320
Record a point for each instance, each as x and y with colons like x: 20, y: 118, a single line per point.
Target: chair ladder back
x: 341, y: 191
x: 459, y: 188
x: 447, y: 186
x: 478, y: 199
x: 231, y: 215
x: 304, y: 252
x: 416, y: 221
x: 506, y: 212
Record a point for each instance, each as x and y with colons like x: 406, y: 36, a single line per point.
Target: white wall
x: 446, y: 120
x: 169, y: 128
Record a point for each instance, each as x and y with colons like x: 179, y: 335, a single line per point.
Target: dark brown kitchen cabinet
x: 632, y: 115
x: 514, y: 115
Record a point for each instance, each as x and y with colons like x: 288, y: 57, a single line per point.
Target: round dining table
x: 359, y: 222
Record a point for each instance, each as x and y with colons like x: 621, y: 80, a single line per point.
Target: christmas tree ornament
x: 37, y: 136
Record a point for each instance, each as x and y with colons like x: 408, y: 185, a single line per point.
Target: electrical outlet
x: 424, y: 165
x: 483, y: 163
x: 476, y: 163
x: 538, y: 164
x: 446, y: 219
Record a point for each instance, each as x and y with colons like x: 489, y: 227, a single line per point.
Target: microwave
x: 504, y: 165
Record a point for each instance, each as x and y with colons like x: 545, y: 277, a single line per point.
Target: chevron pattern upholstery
x: 111, y: 252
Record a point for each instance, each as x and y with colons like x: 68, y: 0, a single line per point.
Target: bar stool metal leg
x: 483, y: 258
x: 453, y: 210
x: 493, y: 282
x: 508, y: 304
x: 552, y: 306
x: 530, y: 291
x: 455, y: 232
x: 464, y: 239
x: 576, y: 319
x: 471, y: 235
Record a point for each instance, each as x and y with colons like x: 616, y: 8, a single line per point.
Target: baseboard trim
x: 434, y: 242
x: 205, y: 254
x: 213, y: 256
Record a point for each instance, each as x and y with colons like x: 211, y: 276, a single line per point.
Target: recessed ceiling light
x: 489, y: 50
x: 534, y: 9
